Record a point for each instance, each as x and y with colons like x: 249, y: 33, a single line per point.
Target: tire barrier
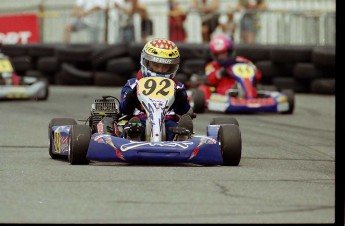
x: 303, y: 68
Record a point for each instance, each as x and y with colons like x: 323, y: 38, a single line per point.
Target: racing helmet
x: 161, y: 52
x: 221, y: 44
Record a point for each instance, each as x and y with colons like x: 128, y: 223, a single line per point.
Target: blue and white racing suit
x: 170, y: 120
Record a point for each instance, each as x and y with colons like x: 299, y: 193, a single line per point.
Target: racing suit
x: 219, y: 77
x: 170, y: 120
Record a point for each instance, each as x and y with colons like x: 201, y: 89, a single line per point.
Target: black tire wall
x: 303, y: 68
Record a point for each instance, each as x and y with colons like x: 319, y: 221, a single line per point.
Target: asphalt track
x: 286, y: 174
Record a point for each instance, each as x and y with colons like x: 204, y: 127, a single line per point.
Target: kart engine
x: 105, y: 111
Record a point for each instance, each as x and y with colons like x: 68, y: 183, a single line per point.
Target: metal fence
x: 314, y: 26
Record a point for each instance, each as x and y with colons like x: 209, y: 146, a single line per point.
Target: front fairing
x: 60, y: 139
x: 198, y: 150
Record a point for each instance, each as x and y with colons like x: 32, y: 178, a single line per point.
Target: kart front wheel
x: 230, y: 140
x: 57, y: 122
x: 224, y: 120
x: 80, y: 136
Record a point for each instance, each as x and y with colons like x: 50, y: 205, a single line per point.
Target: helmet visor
x: 161, y: 68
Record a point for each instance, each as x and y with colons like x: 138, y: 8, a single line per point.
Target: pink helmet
x: 221, y: 43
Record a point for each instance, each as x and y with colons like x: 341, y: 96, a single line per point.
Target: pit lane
x: 286, y: 174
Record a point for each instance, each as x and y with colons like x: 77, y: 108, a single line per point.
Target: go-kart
x: 105, y: 138
x: 244, y: 97
x: 14, y: 87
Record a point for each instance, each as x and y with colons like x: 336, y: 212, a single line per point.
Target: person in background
x: 249, y: 21
x: 7, y: 74
x: 223, y: 56
x: 209, y: 16
x: 177, y: 17
x: 146, y: 23
x: 126, y: 22
x: 89, y: 15
x: 127, y: 9
x: 226, y: 23
x: 156, y: 51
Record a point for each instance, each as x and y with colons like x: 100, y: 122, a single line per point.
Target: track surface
x: 286, y: 174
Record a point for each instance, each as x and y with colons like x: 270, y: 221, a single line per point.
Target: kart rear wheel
x: 291, y: 100
x: 80, y: 136
x: 224, y: 120
x: 57, y: 122
x: 230, y: 140
x: 199, y: 102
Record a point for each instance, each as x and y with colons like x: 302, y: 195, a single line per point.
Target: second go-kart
x: 14, y: 87
x: 105, y: 138
x: 244, y: 97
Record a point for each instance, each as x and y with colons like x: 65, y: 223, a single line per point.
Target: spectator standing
x: 249, y: 21
x: 177, y: 17
x: 146, y: 24
x: 88, y: 14
x: 209, y: 16
x: 226, y: 23
x: 126, y: 23
x: 127, y: 9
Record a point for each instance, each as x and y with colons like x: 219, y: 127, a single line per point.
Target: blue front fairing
x: 199, y: 150
x: 271, y: 103
x: 60, y: 138
x: 248, y: 108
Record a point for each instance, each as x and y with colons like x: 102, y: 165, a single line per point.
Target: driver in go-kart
x: 7, y: 75
x: 223, y: 55
x: 153, y: 54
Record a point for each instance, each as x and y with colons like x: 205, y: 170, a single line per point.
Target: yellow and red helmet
x: 160, y: 51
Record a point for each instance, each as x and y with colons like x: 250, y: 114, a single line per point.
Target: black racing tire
x: 254, y: 52
x: 230, y: 140
x: 49, y: 64
x: 21, y: 64
x: 199, y: 102
x: 306, y: 71
x: 123, y: 66
x: 109, y: 79
x: 57, y: 122
x: 193, y: 66
x: 79, y: 143
x: 41, y: 49
x: 102, y: 53
x: 291, y: 54
x: 224, y: 120
x: 14, y: 50
x: 323, y: 86
x: 324, y: 57
x: 73, y: 53
x: 291, y: 100
x: 33, y: 73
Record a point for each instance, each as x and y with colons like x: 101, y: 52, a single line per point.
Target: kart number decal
x: 5, y: 66
x: 243, y: 70
x: 156, y: 87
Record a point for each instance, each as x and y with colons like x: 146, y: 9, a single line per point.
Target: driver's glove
x: 132, y: 100
x: 180, y: 98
